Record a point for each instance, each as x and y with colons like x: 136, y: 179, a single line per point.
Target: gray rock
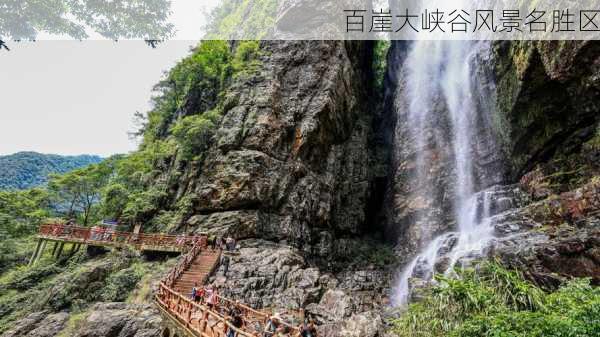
x: 120, y: 320
x: 39, y: 324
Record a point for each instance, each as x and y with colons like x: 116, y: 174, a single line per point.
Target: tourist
x: 68, y: 229
x: 230, y: 244
x: 271, y: 326
x: 93, y: 232
x: 215, y: 297
x: 225, y: 264
x: 203, y: 241
x: 213, y: 242
x: 235, y: 321
x: 200, y: 295
x: 209, y: 295
x: 194, y: 292
x: 212, y: 297
x: 308, y: 329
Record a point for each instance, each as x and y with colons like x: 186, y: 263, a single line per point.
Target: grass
x: 74, y: 324
x: 496, y: 302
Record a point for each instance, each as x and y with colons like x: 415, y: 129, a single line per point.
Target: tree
x: 146, y: 19
x: 80, y: 189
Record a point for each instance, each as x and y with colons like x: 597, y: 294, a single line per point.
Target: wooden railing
x: 183, y: 264
x: 201, y: 321
x: 102, y: 235
x: 196, y: 318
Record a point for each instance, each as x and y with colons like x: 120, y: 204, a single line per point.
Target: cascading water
x: 439, y: 77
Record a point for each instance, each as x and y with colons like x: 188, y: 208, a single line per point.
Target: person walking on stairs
x: 235, y: 320
x: 194, y: 293
x: 225, y: 264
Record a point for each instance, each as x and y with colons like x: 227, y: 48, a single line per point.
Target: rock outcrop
x: 548, y: 95
x: 120, y: 320
x: 270, y: 275
x: 101, y: 320
x: 291, y: 157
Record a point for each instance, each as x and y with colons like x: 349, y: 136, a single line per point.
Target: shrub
x: 194, y: 133
x: 496, y: 302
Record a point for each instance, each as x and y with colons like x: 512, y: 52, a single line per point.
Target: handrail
x: 110, y: 236
x: 180, y: 307
x: 165, y: 297
x: 183, y: 308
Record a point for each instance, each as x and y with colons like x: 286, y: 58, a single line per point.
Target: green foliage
x: 25, y: 170
x: 21, y: 211
x: 253, y: 17
x: 112, y: 19
x: 74, y: 324
x: 120, y: 284
x: 194, y: 133
x: 245, y: 60
x: 594, y: 143
x: 79, y: 190
x: 71, y: 286
x: 380, y: 63
x: 496, y: 302
x: 194, y: 83
x: 20, y: 214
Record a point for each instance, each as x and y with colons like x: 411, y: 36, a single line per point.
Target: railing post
x: 189, y: 315
x: 36, y: 252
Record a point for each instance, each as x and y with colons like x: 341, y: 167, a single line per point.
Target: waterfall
x: 440, y: 88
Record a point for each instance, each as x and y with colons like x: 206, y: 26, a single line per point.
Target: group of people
x: 273, y: 326
x: 64, y: 230
x: 208, y: 295
x: 227, y: 244
x: 100, y: 233
x: 191, y: 239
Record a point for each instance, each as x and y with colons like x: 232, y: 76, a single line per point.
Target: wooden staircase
x: 198, y: 271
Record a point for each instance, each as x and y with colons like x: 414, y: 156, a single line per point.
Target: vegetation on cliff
x: 494, y: 301
x: 74, y: 285
x: 129, y: 188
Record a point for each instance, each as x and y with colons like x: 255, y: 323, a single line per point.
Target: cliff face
x: 548, y: 99
x: 290, y: 174
x: 291, y: 158
x: 548, y: 113
x: 298, y: 161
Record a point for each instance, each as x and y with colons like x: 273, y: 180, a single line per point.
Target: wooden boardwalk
x: 184, y: 317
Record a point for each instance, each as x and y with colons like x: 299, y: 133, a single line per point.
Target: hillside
x: 30, y: 169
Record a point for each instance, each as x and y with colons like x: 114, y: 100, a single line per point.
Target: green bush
x: 120, y: 284
x: 496, y: 302
x: 380, y: 63
x: 195, y: 132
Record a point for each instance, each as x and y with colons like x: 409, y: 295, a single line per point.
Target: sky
x: 79, y: 97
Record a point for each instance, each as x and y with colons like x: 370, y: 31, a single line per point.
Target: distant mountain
x: 30, y: 169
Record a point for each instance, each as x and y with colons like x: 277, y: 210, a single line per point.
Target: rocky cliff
x: 290, y: 174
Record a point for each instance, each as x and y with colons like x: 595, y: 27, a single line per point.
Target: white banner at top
x: 301, y: 19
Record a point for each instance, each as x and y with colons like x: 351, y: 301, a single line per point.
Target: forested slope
x: 30, y: 169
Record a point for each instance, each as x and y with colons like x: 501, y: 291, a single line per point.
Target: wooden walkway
x: 189, y: 318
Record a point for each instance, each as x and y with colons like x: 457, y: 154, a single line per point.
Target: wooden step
x: 196, y: 273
